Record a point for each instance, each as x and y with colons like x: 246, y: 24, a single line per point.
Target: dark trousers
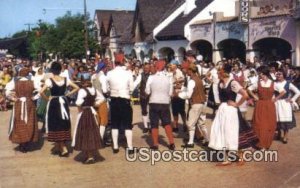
x: 144, y: 106
x: 121, y: 113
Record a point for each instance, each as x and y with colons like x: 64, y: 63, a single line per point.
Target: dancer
x: 196, y: 95
x: 228, y: 129
x: 23, y: 126
x: 284, y: 111
x: 120, y: 84
x: 144, y: 98
x: 58, y: 124
x: 99, y: 82
x: 264, y: 115
x: 86, y: 134
x: 160, y: 88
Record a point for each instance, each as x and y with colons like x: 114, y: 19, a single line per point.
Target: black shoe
x: 284, y: 141
x: 146, y: 130
x: 205, y: 144
x: 115, y: 151
x: 131, y: 151
x: 188, y: 146
x: 175, y: 130
x: 172, y: 147
x: 22, y: 148
x: 154, y: 147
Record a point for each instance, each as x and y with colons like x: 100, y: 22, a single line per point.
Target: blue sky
x: 14, y: 14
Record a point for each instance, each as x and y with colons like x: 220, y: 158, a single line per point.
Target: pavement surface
x: 39, y: 168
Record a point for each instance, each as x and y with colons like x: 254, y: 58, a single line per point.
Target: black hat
x: 227, y: 68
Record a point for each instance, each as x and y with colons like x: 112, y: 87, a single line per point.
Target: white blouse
x: 82, y: 94
x: 48, y: 82
x: 267, y: 84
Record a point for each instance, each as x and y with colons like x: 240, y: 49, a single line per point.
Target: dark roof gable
x: 175, y: 30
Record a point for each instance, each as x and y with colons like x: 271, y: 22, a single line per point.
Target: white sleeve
x: 68, y: 81
x: 278, y: 87
x: 147, y: 89
x: 187, y: 94
x: 99, y: 98
x: 137, y: 81
x: 10, y: 86
x: 296, y: 92
x: 253, y: 86
x: 103, y: 82
x: 48, y: 83
x: 235, y: 86
x: 80, y: 97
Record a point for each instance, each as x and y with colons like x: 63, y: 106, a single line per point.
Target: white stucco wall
x: 175, y: 45
x: 225, y: 6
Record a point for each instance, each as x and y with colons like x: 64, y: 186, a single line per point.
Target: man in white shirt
x: 160, y: 88
x: 120, y: 84
x: 177, y: 104
x: 99, y: 82
x: 196, y: 94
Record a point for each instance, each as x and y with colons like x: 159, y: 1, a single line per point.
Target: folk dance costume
x: 23, y: 127
x: 264, y: 115
x: 58, y: 128
x: 144, y: 98
x: 86, y: 134
x: 284, y: 111
x: 120, y: 84
x: 99, y: 82
x: 160, y: 88
x: 196, y: 95
x: 229, y: 129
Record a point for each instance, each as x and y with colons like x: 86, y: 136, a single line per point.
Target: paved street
x: 41, y: 169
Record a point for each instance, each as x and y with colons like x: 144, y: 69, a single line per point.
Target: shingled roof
x: 120, y: 19
x: 12, y: 43
x: 175, y: 30
x: 148, y: 14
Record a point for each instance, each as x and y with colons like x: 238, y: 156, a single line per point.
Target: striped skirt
x: 247, y: 136
x: 87, y: 134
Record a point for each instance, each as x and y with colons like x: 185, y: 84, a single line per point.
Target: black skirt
x: 59, y: 129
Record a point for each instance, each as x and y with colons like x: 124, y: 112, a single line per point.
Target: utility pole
x: 29, y: 26
x: 86, y: 45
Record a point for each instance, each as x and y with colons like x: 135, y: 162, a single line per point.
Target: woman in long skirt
x: 23, y: 126
x: 228, y: 131
x: 284, y: 111
x: 58, y: 124
x: 86, y: 135
x: 264, y: 115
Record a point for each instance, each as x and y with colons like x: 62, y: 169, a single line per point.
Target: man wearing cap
x: 191, y: 58
x: 120, y: 84
x: 99, y: 82
x: 160, y: 88
x: 196, y: 95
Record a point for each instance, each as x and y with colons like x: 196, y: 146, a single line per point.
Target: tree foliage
x: 64, y: 38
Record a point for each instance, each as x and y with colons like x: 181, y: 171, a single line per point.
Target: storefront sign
x: 273, y: 27
x: 204, y: 32
x: 244, y: 11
